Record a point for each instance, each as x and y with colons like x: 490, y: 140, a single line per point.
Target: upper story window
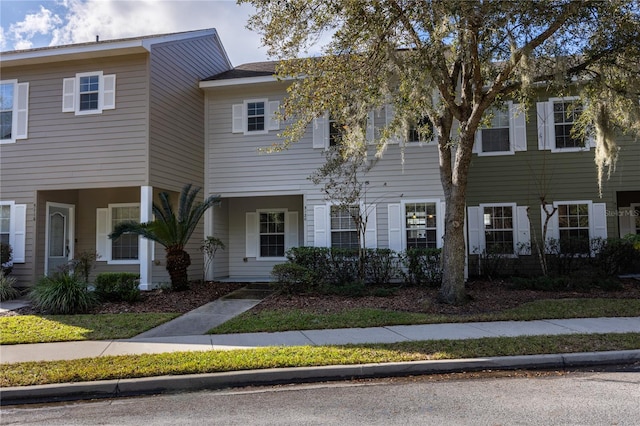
x: 556, y: 119
x: 14, y: 110
x: 89, y: 93
x: 421, y: 131
x: 255, y: 116
x: 505, y: 133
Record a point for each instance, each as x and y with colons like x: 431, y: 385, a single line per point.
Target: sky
x: 27, y: 24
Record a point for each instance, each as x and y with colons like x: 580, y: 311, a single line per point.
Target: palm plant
x: 172, y: 230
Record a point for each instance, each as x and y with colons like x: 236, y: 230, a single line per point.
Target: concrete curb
x: 195, y: 382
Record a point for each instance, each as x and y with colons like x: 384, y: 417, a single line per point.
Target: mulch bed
x: 485, y: 296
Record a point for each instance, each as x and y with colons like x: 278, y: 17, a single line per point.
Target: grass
x: 133, y: 366
x: 63, y: 328
x: 285, y: 320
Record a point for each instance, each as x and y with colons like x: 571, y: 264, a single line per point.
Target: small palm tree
x: 172, y: 231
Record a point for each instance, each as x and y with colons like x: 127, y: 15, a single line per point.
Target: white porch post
x: 145, y: 252
x: 208, y: 231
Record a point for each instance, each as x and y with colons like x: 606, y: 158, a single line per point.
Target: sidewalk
x: 186, y: 334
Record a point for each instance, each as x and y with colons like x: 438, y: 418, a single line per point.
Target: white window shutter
x: 518, y: 127
x: 545, y: 124
x: 440, y: 224
x: 627, y: 221
x: 251, y: 237
x: 291, y: 231
x: 109, y: 91
x: 321, y: 132
x: 18, y: 222
x: 274, y: 121
x: 523, y: 238
x: 395, y: 227
x: 477, y: 144
x: 598, y: 220
x: 237, y: 118
x: 553, y: 230
x: 320, y: 226
x: 22, y: 111
x: 371, y: 232
x: 475, y: 229
x: 389, y: 113
x: 68, y: 94
x: 371, y: 127
x: 102, y: 234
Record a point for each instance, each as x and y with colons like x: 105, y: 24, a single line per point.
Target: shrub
x: 292, y: 278
x: 62, y: 293
x: 381, y: 266
x: 7, y: 289
x: 352, y: 289
x: 422, y: 266
x: 314, y: 259
x: 117, y: 286
x: 83, y: 263
x: 615, y: 255
x: 343, y: 266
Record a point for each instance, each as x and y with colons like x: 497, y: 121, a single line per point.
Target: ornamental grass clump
x: 7, y: 289
x: 62, y: 293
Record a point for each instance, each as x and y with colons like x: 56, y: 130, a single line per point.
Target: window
x: 89, y: 93
x: 255, y: 116
x: 505, y: 132
x: 421, y: 131
x: 14, y: 106
x: 335, y: 132
x: 344, y: 232
x: 5, y: 223
x: 573, y: 226
x: 13, y: 223
x: 565, y: 113
x: 498, y: 229
x: 556, y: 119
x: 495, y: 137
x: 125, y: 247
x: 421, y: 225
x: 272, y: 234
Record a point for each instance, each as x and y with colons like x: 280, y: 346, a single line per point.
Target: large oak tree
x: 450, y: 61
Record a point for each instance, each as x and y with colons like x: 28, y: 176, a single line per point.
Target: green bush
x: 615, y: 255
x: 292, y: 278
x: 343, y: 266
x: 7, y: 289
x: 6, y: 254
x: 314, y: 259
x: 117, y: 287
x: 422, y: 266
x: 62, y: 293
x: 381, y: 266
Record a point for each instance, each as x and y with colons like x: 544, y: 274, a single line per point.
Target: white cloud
x: 40, y: 23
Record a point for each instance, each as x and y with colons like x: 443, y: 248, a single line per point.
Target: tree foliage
x: 451, y: 61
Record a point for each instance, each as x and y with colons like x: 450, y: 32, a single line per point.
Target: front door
x: 59, y: 238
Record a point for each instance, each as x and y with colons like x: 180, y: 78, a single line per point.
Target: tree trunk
x: 452, y: 290
x: 178, y: 261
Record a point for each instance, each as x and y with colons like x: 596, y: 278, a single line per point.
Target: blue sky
x: 29, y: 24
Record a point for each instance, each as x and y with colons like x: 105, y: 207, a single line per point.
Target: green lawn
x: 63, y: 328
x: 285, y: 320
x: 130, y: 366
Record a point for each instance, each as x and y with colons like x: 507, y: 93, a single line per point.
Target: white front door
x: 59, y: 236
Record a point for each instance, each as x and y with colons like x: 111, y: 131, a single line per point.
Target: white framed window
x: 556, y: 118
x: 14, y: 110
x: 344, y: 231
x: 421, y: 131
x: 415, y: 223
x: 270, y: 233
x: 255, y: 116
x: 574, y: 224
x: 336, y: 227
x: 125, y: 249
x: 505, y: 134
x: 499, y: 228
x: 13, y: 223
x: 89, y: 93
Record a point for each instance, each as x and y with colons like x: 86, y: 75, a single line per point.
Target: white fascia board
x: 239, y: 81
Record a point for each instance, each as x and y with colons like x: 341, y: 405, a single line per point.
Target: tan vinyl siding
x: 177, y: 109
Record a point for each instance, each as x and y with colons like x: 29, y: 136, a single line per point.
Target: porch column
x: 145, y: 251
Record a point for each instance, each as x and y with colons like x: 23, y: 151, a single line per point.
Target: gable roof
x: 249, y: 73
x: 101, y: 49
